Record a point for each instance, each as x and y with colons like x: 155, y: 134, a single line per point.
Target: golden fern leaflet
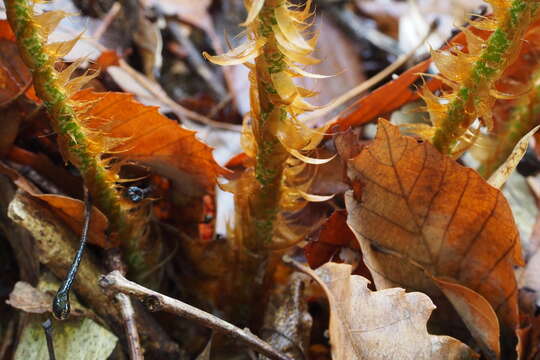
x: 275, y: 139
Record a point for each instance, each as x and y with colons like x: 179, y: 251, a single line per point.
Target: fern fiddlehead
x: 276, y: 138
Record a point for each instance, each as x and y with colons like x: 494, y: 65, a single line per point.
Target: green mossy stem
x: 500, y: 50
x: 256, y: 262
x: 271, y: 155
x: 73, y: 141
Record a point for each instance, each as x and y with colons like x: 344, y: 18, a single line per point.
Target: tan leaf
x: 385, y: 324
x: 152, y: 139
x: 422, y: 215
x: 477, y: 313
x: 27, y: 298
x: 499, y: 177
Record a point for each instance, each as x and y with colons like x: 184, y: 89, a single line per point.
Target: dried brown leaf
x: 422, y: 215
x: 27, y: 298
x: 334, y: 235
x: 71, y: 211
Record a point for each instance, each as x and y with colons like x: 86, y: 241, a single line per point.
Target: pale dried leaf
x: 385, y: 324
x: 499, y: 177
x: 73, y: 339
x: 27, y: 298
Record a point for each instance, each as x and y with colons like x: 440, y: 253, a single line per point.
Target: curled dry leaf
x: 69, y: 210
x: 421, y: 215
x: 29, y: 299
x: 38, y: 300
x: 385, y: 324
x: 499, y: 177
x: 149, y: 138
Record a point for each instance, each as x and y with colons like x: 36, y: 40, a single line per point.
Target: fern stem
x: 73, y: 139
x: 473, y: 94
x: 271, y: 155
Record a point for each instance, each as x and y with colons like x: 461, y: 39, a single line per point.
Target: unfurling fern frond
x: 84, y: 147
x: 472, y: 75
x: 277, y: 141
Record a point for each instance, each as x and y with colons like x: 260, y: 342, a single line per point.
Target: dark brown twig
x: 155, y: 301
x: 48, y: 328
x: 128, y: 314
x: 61, y: 306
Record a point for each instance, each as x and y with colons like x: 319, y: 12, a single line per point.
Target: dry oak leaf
x: 150, y: 138
x: 385, y: 324
x: 422, y: 217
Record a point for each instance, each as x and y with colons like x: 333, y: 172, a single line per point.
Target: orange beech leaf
x: 384, y: 324
x: 149, y: 138
x: 396, y: 93
x: 71, y: 211
x: 421, y: 215
x: 108, y: 58
x: 384, y: 99
x: 6, y: 33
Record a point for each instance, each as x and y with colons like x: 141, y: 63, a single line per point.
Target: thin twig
x: 156, y: 90
x: 155, y: 301
x: 196, y: 60
x: 48, y: 328
x: 107, y: 20
x: 61, y: 306
x: 381, y: 75
x: 128, y: 314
